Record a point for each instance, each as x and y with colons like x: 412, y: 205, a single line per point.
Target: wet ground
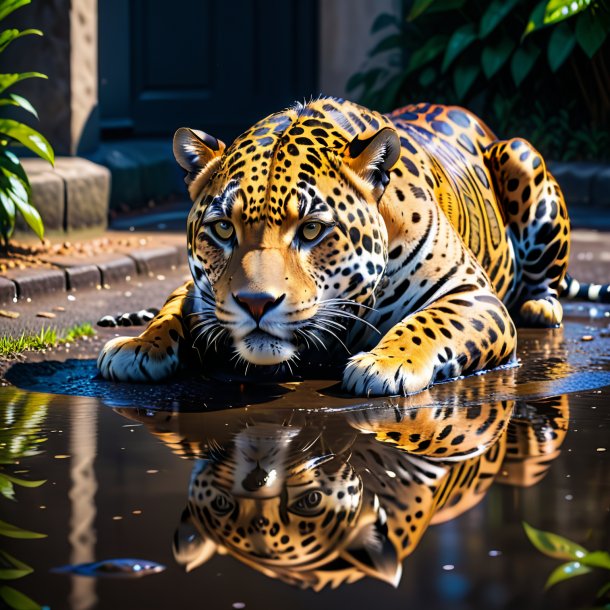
x: 295, y: 488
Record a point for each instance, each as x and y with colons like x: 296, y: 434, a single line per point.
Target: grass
x: 46, y: 338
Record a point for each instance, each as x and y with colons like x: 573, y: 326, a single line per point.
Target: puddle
x: 297, y: 496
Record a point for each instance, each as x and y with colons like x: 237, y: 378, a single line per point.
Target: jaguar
x: 400, y: 248
x: 325, y: 500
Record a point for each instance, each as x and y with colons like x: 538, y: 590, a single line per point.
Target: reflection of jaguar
x: 418, y: 224
x: 326, y: 500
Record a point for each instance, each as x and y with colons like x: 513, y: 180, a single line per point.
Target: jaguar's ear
x: 190, y: 548
x: 372, y: 158
x: 371, y: 551
x: 198, y: 153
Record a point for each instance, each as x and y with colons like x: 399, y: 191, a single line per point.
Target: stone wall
x: 67, y: 53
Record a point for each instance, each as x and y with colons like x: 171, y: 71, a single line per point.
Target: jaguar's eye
x: 307, y: 504
x: 224, y: 230
x: 221, y: 504
x: 311, y: 230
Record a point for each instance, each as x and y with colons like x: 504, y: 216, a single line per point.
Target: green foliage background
x: 15, y: 190
x: 537, y: 69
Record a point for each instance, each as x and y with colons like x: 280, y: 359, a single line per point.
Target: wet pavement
x: 294, y: 487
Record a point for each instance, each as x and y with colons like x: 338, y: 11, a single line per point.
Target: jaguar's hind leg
x: 155, y: 354
x: 539, y: 228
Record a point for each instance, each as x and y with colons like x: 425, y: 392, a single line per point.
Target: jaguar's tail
x: 138, y: 318
x: 573, y: 289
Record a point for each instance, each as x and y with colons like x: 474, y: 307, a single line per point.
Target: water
x: 298, y: 486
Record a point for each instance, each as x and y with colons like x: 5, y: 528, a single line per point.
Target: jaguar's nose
x: 257, y: 304
x: 255, y: 479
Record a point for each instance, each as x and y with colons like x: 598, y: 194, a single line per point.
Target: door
x: 216, y: 65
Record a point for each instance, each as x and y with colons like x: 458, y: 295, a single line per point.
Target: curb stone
x: 71, y: 274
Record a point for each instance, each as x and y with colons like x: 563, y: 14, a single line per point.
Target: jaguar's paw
x: 542, y: 313
x: 373, y: 374
x: 138, y: 359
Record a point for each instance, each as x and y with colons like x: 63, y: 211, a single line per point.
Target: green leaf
x: 597, y: 559
x: 419, y: 7
x: 560, y: 10
x: 426, y: 53
x: 17, y: 100
x: 11, y: 567
x: 427, y: 76
x: 12, y: 531
x: 354, y: 81
x: 523, y: 61
x: 8, y: 36
x: 590, y: 33
x: 394, y: 41
x: 8, y: 80
x: 433, y: 6
x: 553, y: 545
x: 495, y: 55
x: 7, y: 489
x: 603, y: 590
x: 9, y: 162
x: 561, y: 44
x: 22, y: 482
x: 8, y: 6
x: 536, y: 19
x: 21, y: 200
x: 493, y: 16
x: 17, y: 600
x: 464, y: 76
x: 389, y: 93
x: 566, y: 571
x: 7, y: 216
x: 29, y: 137
x: 462, y: 38
x: 383, y: 21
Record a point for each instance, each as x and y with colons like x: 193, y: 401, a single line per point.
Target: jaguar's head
x: 274, y: 500
x: 285, y: 232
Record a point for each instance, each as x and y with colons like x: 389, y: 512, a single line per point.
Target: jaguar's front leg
x: 461, y: 332
x: 155, y: 354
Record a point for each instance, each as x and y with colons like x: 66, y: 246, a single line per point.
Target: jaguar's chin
x: 261, y: 348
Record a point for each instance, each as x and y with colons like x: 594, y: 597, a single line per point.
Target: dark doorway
x: 211, y: 64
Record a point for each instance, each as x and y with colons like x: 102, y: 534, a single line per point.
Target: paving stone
x: 575, y: 180
x: 126, y: 188
x: 87, y: 193
x: 36, y: 282
x: 600, y: 189
x: 79, y: 273
x: 150, y: 260
x: 83, y: 276
x: 115, y: 268
x: 142, y: 170
x: 8, y: 291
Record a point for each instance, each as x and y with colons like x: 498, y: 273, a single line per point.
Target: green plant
x: 46, y: 338
x: 22, y: 417
x: 499, y: 57
x: 15, y: 191
x: 578, y: 560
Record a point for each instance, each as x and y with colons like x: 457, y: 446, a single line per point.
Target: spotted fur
x: 393, y: 246
x: 320, y: 501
